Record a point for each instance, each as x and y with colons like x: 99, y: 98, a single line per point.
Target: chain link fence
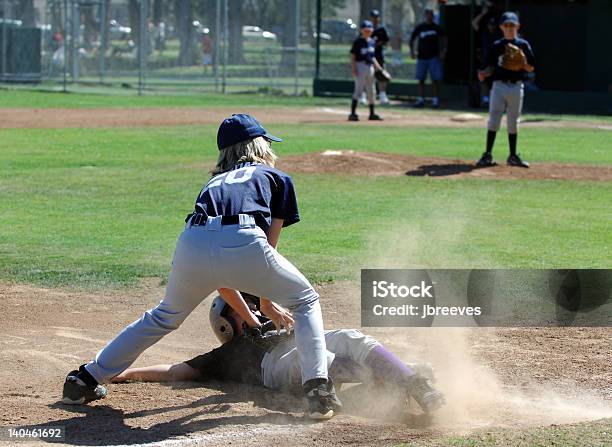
x: 188, y: 45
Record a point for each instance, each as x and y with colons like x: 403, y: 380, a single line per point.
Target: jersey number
x: 236, y: 176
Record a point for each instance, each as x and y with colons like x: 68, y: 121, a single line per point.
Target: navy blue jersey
x: 496, y: 53
x: 429, y: 35
x: 381, y: 38
x: 363, y: 49
x: 251, y: 188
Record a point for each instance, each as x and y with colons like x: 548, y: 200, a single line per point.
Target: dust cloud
x: 478, y: 395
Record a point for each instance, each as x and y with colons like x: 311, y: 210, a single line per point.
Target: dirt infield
x: 515, y: 378
x: 382, y: 164
x: 116, y: 117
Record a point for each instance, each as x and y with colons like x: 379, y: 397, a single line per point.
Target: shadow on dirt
x: 103, y: 425
x: 441, y: 170
x: 96, y: 425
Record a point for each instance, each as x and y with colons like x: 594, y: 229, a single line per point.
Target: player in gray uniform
x: 273, y: 362
x: 229, y: 244
x: 507, y: 91
x: 363, y: 64
x: 381, y: 39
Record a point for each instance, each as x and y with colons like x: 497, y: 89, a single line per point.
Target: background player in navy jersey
x: 508, y: 90
x: 381, y: 38
x: 229, y: 244
x: 363, y: 64
x: 430, y: 54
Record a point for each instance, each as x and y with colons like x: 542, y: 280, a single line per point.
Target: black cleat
x: 486, y: 161
x: 375, y: 117
x: 419, y: 104
x: 428, y: 398
x: 515, y: 160
x: 353, y: 117
x: 322, y: 400
x: 77, y: 392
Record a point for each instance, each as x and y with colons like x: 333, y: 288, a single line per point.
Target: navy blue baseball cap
x: 375, y: 13
x: 509, y: 17
x: 241, y: 127
x: 367, y: 24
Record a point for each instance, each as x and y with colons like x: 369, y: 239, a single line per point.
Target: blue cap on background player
x: 367, y: 24
x: 241, y: 127
x: 375, y: 13
x: 509, y: 17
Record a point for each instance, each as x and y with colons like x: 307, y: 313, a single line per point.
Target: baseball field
x: 93, y: 193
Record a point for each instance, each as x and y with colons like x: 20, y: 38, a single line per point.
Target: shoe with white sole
x: 77, y: 392
x: 516, y: 160
x: 428, y: 398
x: 322, y: 399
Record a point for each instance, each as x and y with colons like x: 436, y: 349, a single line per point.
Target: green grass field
x: 93, y: 208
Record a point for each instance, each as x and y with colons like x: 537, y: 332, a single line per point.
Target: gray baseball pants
x: 222, y: 256
x: 280, y: 367
x: 364, y: 81
x: 505, y: 97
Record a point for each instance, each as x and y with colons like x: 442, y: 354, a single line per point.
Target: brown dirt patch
x: 172, y: 116
x: 351, y: 162
x: 493, y: 378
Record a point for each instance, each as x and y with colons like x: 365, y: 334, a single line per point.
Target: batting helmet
x: 223, y: 324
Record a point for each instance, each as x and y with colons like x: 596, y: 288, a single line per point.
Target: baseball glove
x: 266, y: 336
x: 514, y: 59
x: 383, y: 75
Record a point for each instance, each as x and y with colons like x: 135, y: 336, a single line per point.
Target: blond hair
x: 257, y: 150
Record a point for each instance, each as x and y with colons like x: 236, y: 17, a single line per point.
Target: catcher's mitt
x: 265, y: 336
x: 513, y: 59
x: 382, y: 75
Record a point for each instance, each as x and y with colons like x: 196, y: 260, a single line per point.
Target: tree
x: 183, y: 15
x: 26, y: 13
x: 235, y: 18
x: 134, y: 13
x: 105, y: 37
x: 365, y: 6
x: 418, y: 7
x: 396, y: 19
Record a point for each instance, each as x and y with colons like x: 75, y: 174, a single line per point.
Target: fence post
x: 225, y: 42
x: 103, y: 37
x: 217, y: 36
x: 297, y: 46
x: 75, y: 26
x: 318, y: 42
x: 65, y: 43
x: 4, y: 37
x: 142, y: 46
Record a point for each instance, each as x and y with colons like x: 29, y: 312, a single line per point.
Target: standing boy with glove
x: 510, y: 61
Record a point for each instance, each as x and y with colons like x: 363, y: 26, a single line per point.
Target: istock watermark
x: 514, y: 297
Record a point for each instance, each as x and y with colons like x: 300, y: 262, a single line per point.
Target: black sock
x: 490, y: 140
x: 371, y: 109
x: 512, y: 140
x: 353, y: 106
x: 86, y: 377
x: 313, y: 383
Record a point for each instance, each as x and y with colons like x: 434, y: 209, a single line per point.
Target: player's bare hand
x: 481, y: 76
x: 278, y: 314
x: 354, y: 73
x: 412, y: 55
